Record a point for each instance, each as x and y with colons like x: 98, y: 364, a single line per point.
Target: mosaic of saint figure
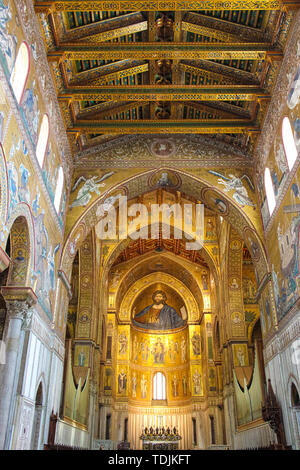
x: 122, y: 382
x: 159, y: 315
x: 196, y: 343
x: 123, y: 342
x: 159, y: 351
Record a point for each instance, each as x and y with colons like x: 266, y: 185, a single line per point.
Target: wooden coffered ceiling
x: 141, y: 247
x: 164, y: 67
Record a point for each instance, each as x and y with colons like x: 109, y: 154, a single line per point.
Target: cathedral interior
x: 123, y: 331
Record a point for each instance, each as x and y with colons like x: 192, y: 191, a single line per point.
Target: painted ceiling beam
x: 161, y: 50
x: 196, y: 126
x: 225, y: 112
x: 103, y: 70
x: 210, y: 32
x: 92, y: 113
x: 164, y: 93
x: 158, y: 5
x: 212, y: 70
x: 79, y: 33
x: 215, y: 77
x: 107, y: 23
x: 119, y: 75
x: 225, y: 27
x: 95, y: 38
x: 232, y: 112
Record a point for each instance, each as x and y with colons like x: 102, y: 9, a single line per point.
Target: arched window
x: 159, y: 386
x: 20, y: 72
x: 270, y: 191
x: 59, y: 188
x: 295, y: 396
x: 42, y: 140
x: 289, y: 142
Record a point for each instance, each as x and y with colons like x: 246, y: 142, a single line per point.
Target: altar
x: 160, y: 439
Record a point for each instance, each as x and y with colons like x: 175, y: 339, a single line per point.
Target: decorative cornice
x: 158, y: 5
x: 186, y: 151
x: 288, y: 331
x: 14, y: 294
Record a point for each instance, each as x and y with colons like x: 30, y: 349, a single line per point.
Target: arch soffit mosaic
x: 22, y: 213
x: 192, y: 186
x: 124, y: 313
x: 178, y: 267
x: 3, y: 185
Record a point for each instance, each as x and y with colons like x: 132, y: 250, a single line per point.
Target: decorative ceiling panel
x: 155, y: 67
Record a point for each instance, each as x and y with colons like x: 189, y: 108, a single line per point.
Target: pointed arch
x: 20, y: 252
x: 21, y: 219
x: 190, y: 185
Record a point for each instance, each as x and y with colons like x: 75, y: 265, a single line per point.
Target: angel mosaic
x: 8, y: 43
x: 91, y: 185
x: 236, y: 184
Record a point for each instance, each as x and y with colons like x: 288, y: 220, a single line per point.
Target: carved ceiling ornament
x: 124, y: 314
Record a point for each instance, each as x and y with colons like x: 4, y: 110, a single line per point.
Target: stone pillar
x: 18, y: 301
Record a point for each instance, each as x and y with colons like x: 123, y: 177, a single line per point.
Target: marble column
x: 18, y: 301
